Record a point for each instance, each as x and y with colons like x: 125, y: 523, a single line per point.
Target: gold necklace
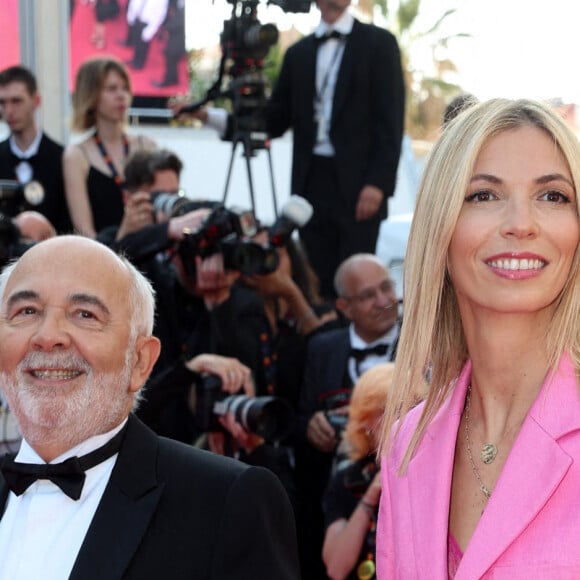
x: 484, y: 489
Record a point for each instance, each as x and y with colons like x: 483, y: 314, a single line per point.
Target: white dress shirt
x: 42, y: 530
x: 328, y: 59
x: 23, y: 170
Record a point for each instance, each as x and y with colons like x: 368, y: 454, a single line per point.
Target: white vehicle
x: 392, y: 245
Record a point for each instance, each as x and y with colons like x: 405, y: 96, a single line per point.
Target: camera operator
x: 341, y: 91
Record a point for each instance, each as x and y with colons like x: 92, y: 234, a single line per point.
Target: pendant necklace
x: 488, y: 453
x: 483, y: 488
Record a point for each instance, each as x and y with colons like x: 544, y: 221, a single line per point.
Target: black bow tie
x: 330, y: 34
x: 360, y: 354
x: 68, y: 475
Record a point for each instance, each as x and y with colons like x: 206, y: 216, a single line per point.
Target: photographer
x: 206, y: 314
x: 143, y: 231
x: 351, y: 500
x: 293, y: 313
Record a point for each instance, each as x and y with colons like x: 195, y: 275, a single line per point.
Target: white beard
x: 62, y: 413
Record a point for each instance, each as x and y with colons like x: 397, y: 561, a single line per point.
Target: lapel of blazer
x: 429, y: 475
x: 345, y: 71
x: 535, y: 468
x: 3, y: 495
x: 125, y: 510
x: 339, y: 353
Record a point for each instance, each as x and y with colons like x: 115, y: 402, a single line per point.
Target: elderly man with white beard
x: 92, y: 492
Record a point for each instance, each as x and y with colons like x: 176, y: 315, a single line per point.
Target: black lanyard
x: 326, y: 78
x: 114, y: 174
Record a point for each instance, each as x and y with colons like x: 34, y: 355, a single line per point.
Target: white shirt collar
x: 343, y: 25
x: 27, y: 454
x: 357, y: 342
x: 32, y: 149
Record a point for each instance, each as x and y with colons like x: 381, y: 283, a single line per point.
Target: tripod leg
x: 229, y: 175
x: 274, y: 200
x: 247, y: 155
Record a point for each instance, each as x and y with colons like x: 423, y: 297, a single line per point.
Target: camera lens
x: 268, y: 417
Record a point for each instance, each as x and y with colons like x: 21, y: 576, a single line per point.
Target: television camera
x: 245, y: 43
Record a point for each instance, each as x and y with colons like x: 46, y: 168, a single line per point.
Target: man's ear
x: 343, y: 306
x: 37, y: 100
x: 147, y: 351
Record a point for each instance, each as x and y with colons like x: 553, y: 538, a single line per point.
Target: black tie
x: 68, y: 475
x: 328, y: 35
x: 360, y: 354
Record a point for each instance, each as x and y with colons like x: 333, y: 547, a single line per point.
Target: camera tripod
x: 251, y: 141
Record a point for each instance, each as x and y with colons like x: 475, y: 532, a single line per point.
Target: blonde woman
x: 481, y: 481
x: 94, y: 168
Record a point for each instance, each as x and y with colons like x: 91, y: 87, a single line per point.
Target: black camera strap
x: 321, y: 91
x: 108, y: 160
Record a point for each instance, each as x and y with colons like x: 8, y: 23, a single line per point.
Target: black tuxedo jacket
x: 47, y: 170
x: 326, y: 366
x: 367, y: 114
x: 173, y: 512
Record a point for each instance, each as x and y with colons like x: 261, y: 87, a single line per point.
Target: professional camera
x: 170, y: 204
x: 15, y: 198
x: 245, y: 43
x: 226, y: 231
x: 268, y: 417
x: 337, y: 422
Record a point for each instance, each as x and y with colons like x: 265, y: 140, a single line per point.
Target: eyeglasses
x: 385, y: 288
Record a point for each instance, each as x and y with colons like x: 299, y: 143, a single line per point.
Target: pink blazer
x: 531, y: 526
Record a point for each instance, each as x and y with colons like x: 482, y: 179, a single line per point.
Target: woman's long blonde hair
x: 432, y: 342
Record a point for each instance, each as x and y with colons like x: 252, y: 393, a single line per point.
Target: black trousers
x: 333, y: 234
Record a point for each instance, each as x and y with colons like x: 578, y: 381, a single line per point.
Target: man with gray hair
x: 92, y: 492
x: 335, y: 360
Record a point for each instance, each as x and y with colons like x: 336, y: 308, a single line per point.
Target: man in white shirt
x: 334, y: 362
x: 93, y: 493
x: 29, y: 156
x: 341, y: 91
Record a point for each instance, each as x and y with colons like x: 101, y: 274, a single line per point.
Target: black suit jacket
x: 47, y: 170
x: 325, y: 371
x: 171, y: 511
x: 326, y: 366
x: 367, y: 115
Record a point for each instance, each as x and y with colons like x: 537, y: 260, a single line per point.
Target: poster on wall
x: 148, y: 36
x: 9, y: 41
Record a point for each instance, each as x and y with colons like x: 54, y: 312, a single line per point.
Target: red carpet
x: 81, y: 29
